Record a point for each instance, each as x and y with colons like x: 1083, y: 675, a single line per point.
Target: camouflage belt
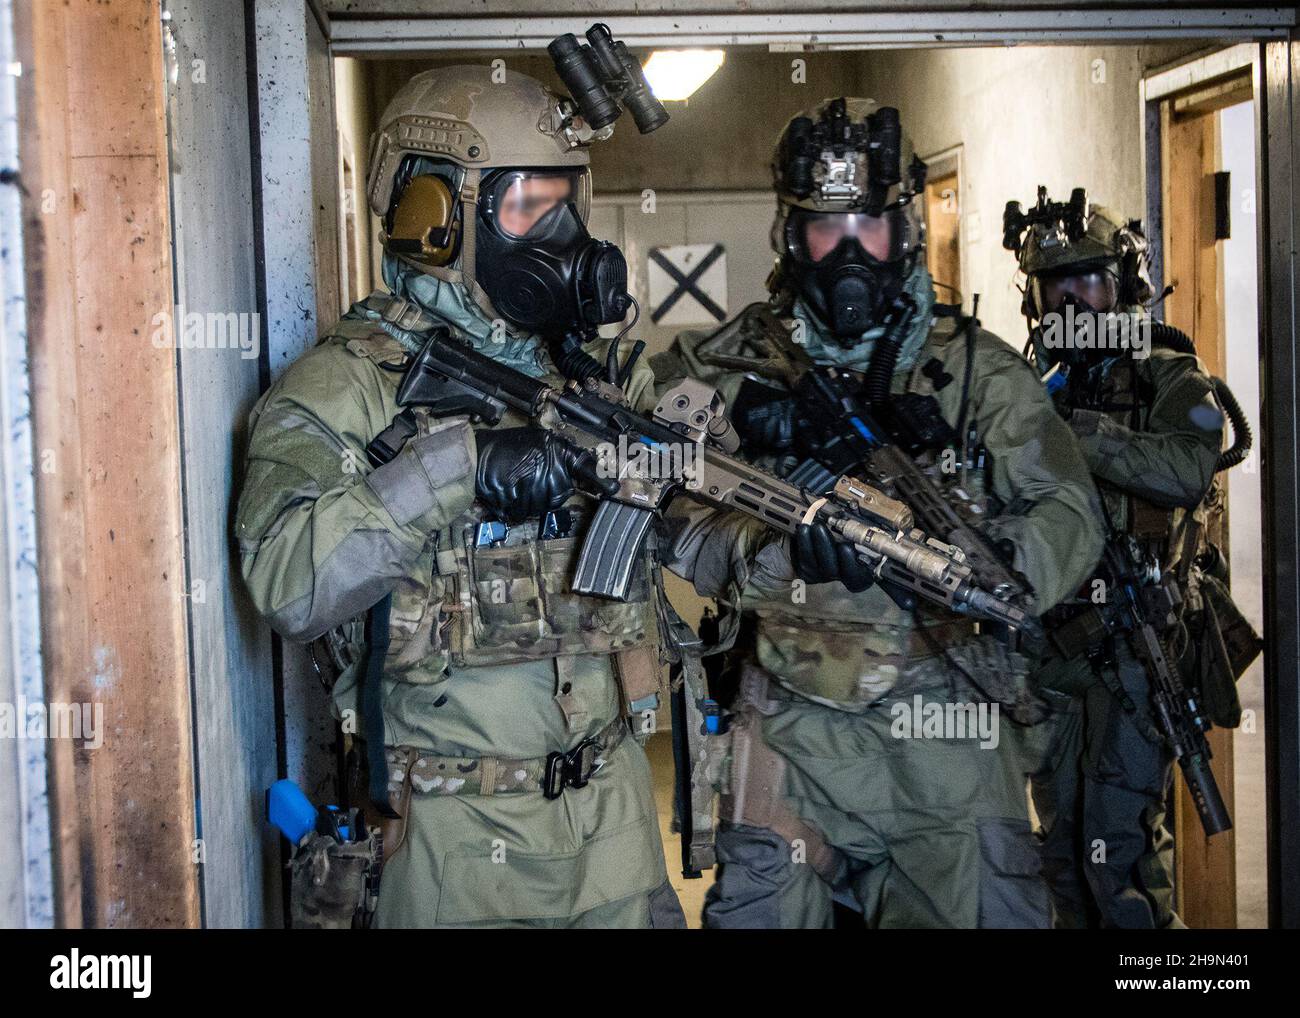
x: 432, y: 774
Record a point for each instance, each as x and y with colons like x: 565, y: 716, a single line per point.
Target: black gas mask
x: 1072, y: 317
x: 851, y: 266
x: 536, y: 261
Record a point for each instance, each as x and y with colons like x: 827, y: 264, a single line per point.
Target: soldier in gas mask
x: 516, y: 793
x: 1149, y: 424
x: 836, y: 789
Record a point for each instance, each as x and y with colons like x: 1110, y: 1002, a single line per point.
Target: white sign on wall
x: 688, y: 284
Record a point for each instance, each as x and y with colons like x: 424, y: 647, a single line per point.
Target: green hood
x: 825, y: 349
x: 451, y: 304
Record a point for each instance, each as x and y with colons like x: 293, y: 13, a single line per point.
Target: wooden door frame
x: 1274, y: 70
x: 1205, y: 868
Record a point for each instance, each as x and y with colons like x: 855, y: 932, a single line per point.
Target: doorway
x: 943, y: 225
x: 724, y: 157
x: 664, y: 199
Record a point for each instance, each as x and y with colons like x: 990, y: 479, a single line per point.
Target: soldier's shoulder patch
x: 943, y: 329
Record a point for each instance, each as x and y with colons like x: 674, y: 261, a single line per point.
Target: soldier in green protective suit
x: 848, y: 780
x: 1147, y: 420
x: 518, y: 795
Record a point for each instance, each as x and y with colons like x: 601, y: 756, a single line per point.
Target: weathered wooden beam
x: 1205, y: 871
x: 99, y: 272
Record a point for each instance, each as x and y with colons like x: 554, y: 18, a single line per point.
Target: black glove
x: 1061, y: 401
x: 525, y: 472
x: 818, y: 557
x: 765, y: 418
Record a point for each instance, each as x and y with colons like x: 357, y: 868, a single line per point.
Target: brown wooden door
x: 1205, y: 867
x: 943, y: 235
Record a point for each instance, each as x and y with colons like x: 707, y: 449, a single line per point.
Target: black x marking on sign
x: 686, y: 284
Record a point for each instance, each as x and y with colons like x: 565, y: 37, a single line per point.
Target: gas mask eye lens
x: 1094, y: 289
x: 522, y: 201
x: 883, y: 238
x: 875, y: 236
x: 822, y: 235
x: 526, y: 200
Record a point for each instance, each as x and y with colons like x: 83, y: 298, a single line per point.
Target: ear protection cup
x: 424, y: 225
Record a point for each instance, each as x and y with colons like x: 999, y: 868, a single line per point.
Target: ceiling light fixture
x: 675, y: 74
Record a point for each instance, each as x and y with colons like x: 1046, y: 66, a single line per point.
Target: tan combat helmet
x: 473, y: 119
x: 1059, y: 238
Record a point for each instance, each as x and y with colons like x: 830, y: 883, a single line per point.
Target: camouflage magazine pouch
x: 417, y: 623
x: 516, y: 603
x: 333, y: 884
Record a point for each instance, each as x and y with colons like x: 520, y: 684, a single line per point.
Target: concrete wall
x: 26, y: 878
x: 1023, y: 116
x: 233, y: 691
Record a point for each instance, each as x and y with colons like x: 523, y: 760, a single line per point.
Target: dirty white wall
x: 352, y: 101
x: 1023, y: 116
x: 26, y: 878
x: 297, y: 181
x: 1240, y: 267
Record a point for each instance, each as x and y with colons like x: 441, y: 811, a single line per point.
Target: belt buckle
x: 569, y: 770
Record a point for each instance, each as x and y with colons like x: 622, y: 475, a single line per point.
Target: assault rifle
x: 857, y: 442
x: 449, y: 377
x: 1145, y: 615
x: 847, y: 437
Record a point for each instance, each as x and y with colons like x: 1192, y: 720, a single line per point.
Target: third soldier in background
x: 838, y: 788
x: 1147, y: 419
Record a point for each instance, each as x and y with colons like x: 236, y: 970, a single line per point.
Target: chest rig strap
x: 400, y: 313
